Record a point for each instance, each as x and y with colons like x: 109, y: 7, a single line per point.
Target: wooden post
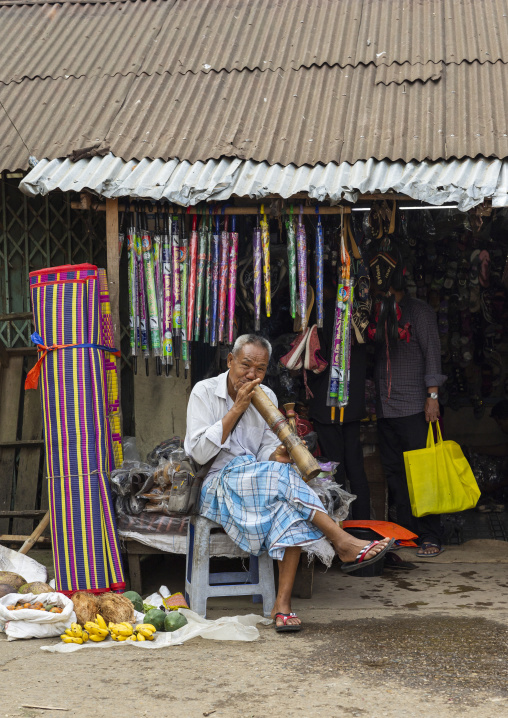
x: 113, y: 271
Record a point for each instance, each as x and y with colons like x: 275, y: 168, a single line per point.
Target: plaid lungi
x: 262, y: 506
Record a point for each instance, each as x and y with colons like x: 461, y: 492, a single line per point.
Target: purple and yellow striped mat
x: 69, y: 318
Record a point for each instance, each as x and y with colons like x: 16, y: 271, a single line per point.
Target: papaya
x: 156, y: 618
x: 5, y: 588
x: 36, y: 587
x: 135, y: 599
x: 13, y: 579
x: 173, y: 621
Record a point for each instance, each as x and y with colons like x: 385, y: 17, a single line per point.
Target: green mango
x: 135, y: 599
x: 156, y: 617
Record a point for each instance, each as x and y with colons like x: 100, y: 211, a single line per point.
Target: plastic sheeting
x: 228, y: 628
x: 466, y: 182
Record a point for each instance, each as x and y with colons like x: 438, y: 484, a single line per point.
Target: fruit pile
x: 98, y: 631
x: 35, y: 606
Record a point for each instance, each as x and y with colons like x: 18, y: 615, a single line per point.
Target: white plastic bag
x: 29, y: 623
x: 23, y: 565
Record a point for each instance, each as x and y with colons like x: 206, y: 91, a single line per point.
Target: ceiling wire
x: 12, y: 123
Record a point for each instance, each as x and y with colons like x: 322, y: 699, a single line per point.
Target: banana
x: 85, y: 636
x: 132, y: 638
x: 76, y: 630
x: 69, y: 633
x: 95, y: 629
x: 145, y: 626
x: 122, y: 638
x: 149, y: 638
x: 140, y: 637
x: 65, y: 638
x: 97, y: 639
x: 126, y: 624
x: 122, y: 631
x: 145, y: 632
x: 100, y: 621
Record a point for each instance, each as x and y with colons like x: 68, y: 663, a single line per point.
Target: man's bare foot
x: 349, y: 547
x: 286, y: 609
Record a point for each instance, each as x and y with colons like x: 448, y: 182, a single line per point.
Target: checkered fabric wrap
x: 262, y: 505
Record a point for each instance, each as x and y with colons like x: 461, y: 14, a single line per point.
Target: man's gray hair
x: 245, y: 339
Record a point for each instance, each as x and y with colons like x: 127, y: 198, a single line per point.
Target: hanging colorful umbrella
x: 192, y: 262
x: 233, y: 266
x: 258, y: 264
x: 215, y: 282
x: 319, y: 272
x: 265, y: 243
x: 151, y: 294
x: 133, y: 293
x: 141, y: 292
x: 184, y: 279
x: 223, y: 279
x: 338, y: 388
x: 202, y: 268
x: 177, y: 293
x: 167, y: 302
x: 290, y: 227
x: 208, y: 288
x: 301, y: 247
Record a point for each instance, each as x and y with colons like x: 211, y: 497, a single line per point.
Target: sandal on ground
x: 426, y: 545
x: 360, y: 561
x: 397, y: 563
x: 287, y: 627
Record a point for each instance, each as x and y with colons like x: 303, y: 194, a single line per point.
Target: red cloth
x: 386, y: 529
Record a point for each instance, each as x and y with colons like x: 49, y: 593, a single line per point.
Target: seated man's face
x: 250, y: 363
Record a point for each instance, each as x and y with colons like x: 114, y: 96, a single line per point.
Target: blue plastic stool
x: 200, y: 584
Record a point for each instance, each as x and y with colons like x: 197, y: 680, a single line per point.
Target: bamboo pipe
x: 32, y: 539
x: 302, y: 457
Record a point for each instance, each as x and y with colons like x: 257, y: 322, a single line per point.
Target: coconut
x: 36, y: 587
x: 86, y: 606
x: 115, y: 608
x: 13, y: 579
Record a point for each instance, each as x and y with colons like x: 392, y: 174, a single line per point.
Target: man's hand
x: 281, y: 455
x: 244, y: 395
x: 432, y: 410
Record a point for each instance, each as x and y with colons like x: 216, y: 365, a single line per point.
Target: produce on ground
x: 36, y: 587
x: 35, y: 606
x: 97, y: 631
x: 86, y: 606
x: 115, y: 608
x: 13, y: 579
x: 135, y: 599
x: 174, y: 621
x: 5, y: 588
x: 156, y: 617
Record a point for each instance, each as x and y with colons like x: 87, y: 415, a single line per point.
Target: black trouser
x: 406, y: 433
x: 342, y: 444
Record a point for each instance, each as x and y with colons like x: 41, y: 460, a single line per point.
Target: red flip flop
x: 360, y: 561
x: 287, y: 628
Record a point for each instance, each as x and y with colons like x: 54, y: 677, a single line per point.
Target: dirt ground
x: 427, y: 643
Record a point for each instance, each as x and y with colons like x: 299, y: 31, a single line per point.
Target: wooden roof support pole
x: 113, y: 271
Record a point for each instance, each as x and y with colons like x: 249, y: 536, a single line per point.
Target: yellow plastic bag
x: 439, y: 478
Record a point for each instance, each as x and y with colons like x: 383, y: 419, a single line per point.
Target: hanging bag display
x: 439, y: 478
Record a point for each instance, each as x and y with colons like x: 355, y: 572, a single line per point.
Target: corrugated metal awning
x: 466, y: 182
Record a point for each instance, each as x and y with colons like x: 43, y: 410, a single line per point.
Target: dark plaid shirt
x: 403, y: 378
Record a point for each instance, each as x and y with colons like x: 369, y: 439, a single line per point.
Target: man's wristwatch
x: 432, y: 395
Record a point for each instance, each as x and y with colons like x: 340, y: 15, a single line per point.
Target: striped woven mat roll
x: 79, y: 449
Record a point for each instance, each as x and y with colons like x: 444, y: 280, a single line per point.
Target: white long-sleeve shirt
x: 209, y: 402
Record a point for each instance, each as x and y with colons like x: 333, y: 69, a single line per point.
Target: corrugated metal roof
x: 296, y: 117
x: 180, y: 36
x: 466, y: 182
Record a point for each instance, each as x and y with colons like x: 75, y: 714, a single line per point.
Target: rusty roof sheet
x: 179, y: 36
x: 467, y: 182
x: 310, y: 116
